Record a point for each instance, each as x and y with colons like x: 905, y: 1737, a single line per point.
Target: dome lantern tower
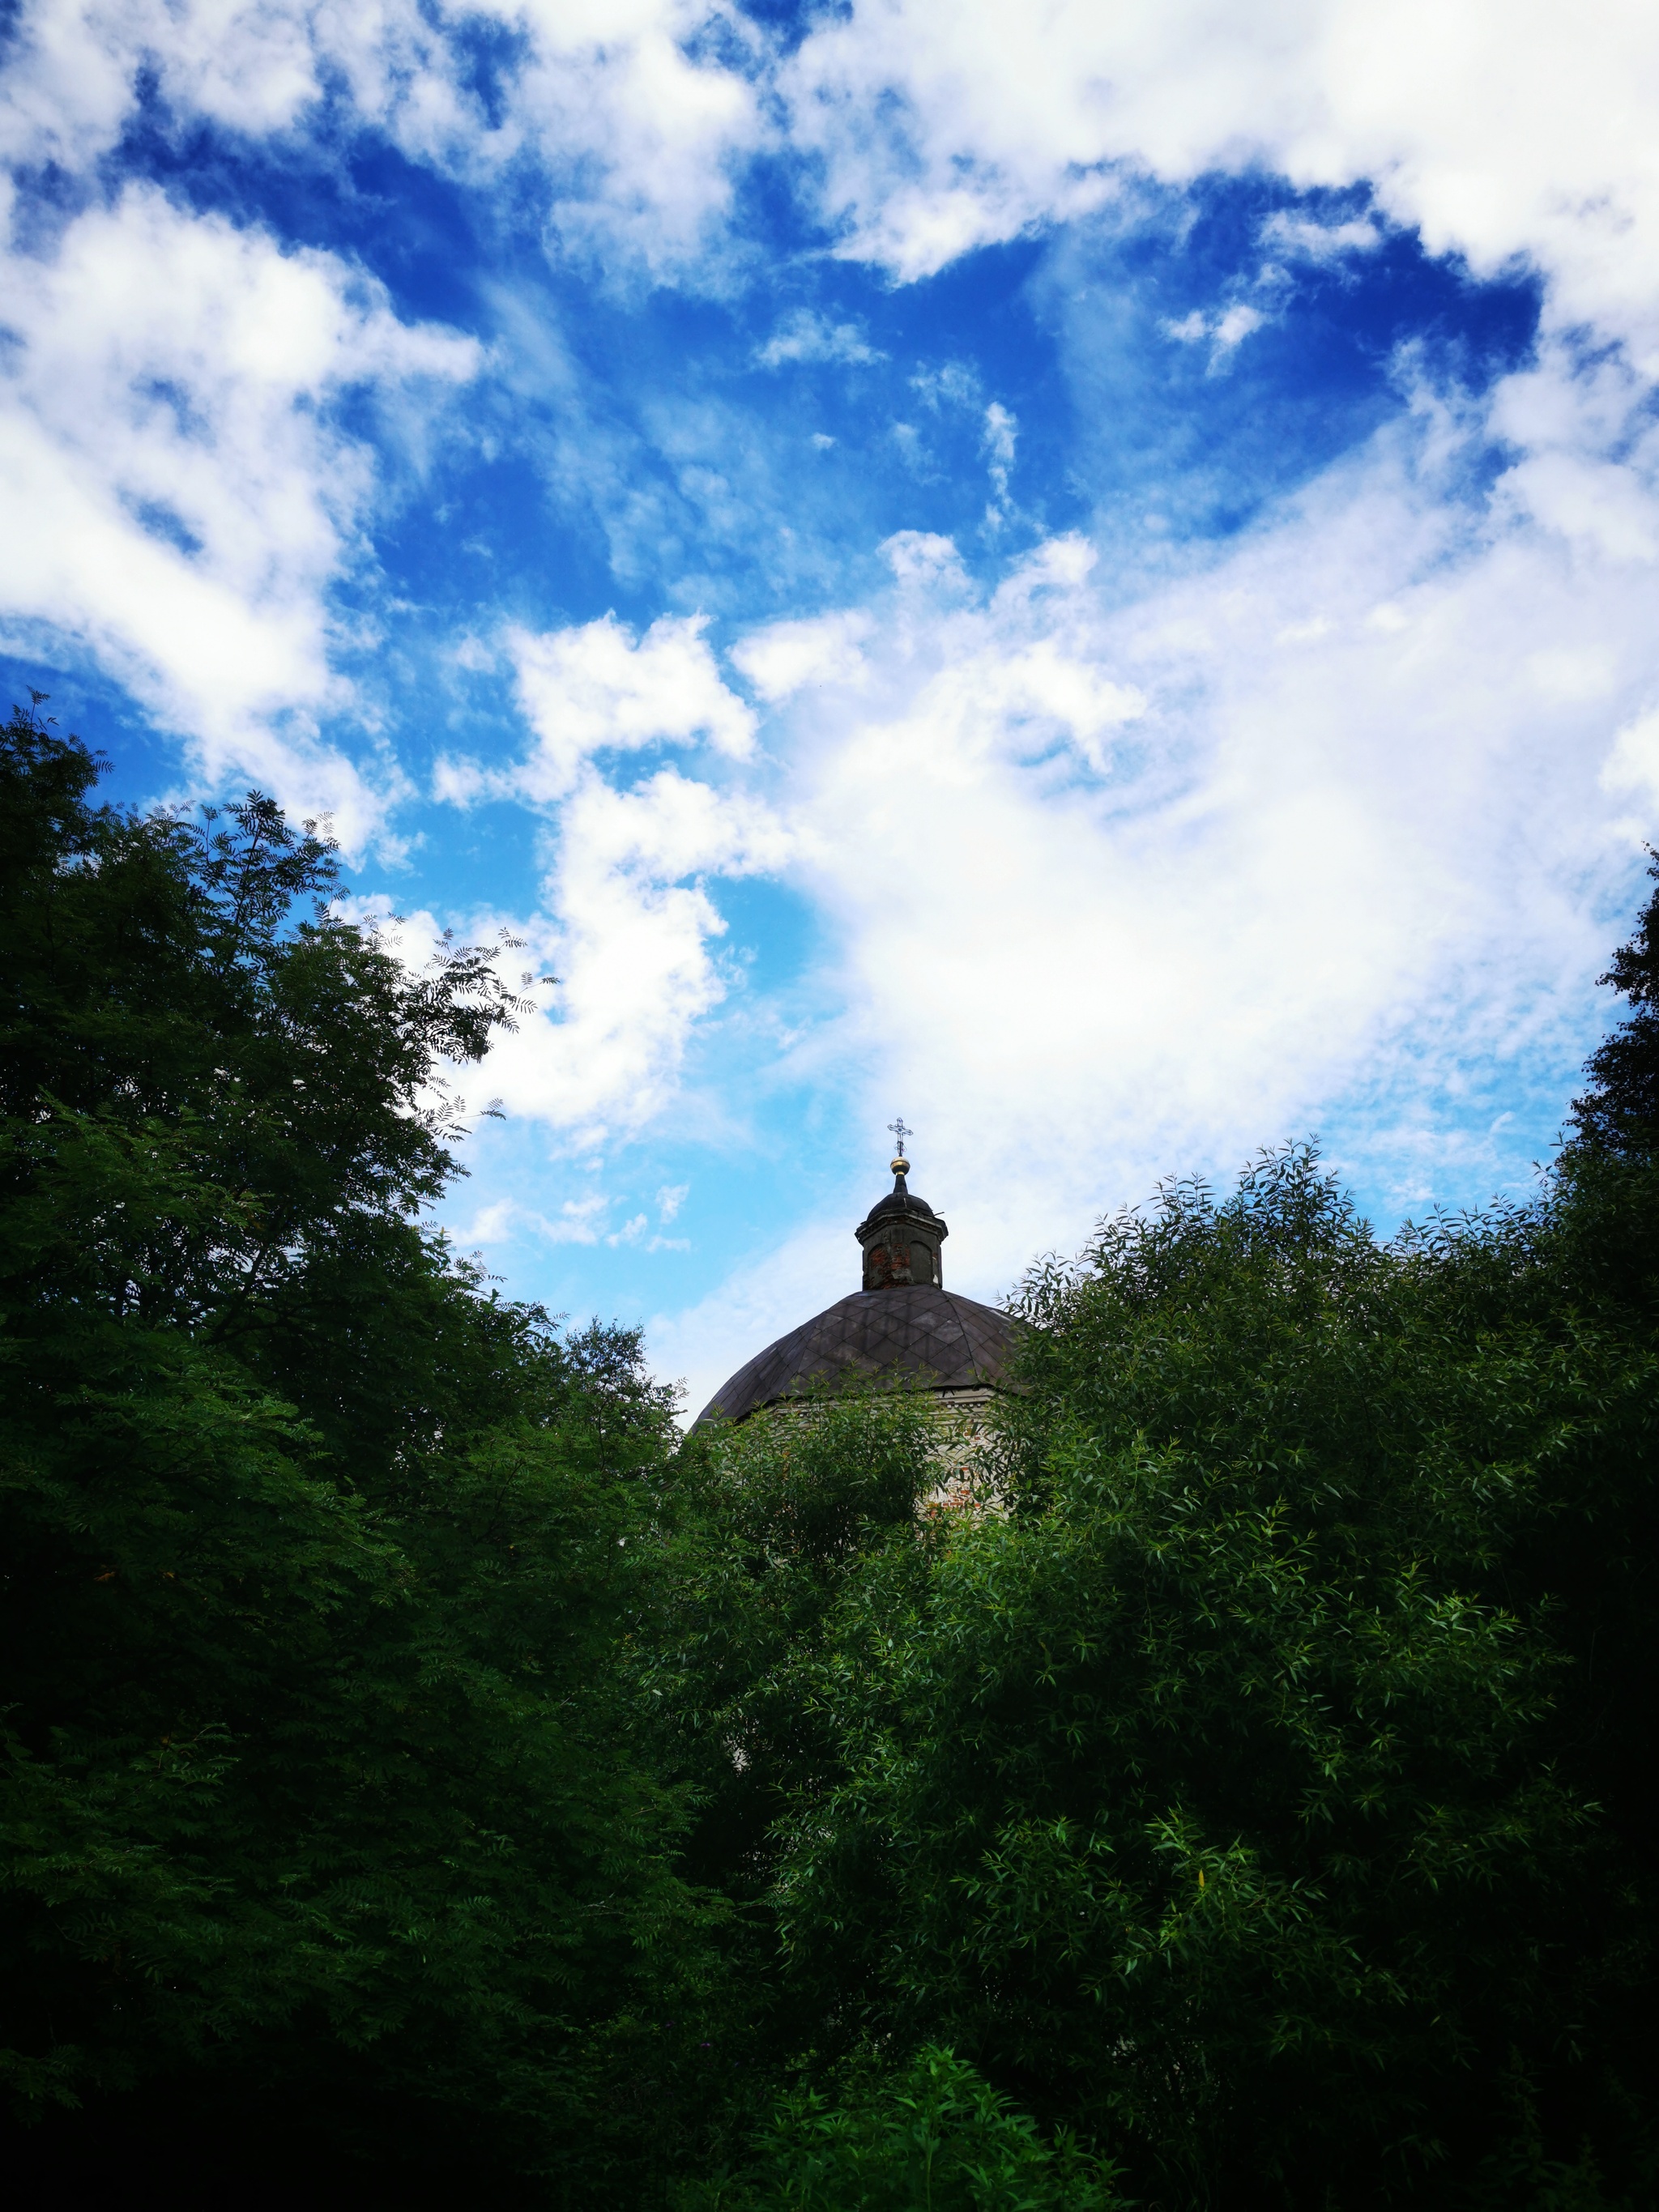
x: 901, y: 1236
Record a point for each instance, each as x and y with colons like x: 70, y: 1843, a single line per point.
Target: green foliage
x: 1226, y: 1795
x: 1620, y: 1110
x: 765, y: 1526
x: 934, y: 2137
x: 408, y: 1752
x: 758, y: 1532
x: 323, y: 1785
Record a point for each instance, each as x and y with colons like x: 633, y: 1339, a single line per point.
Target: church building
x: 902, y: 1329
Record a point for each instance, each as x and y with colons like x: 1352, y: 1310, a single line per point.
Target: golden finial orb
x: 901, y: 1165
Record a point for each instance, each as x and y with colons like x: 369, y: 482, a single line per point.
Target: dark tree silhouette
x: 1620, y: 1112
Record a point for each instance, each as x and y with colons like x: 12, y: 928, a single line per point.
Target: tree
x: 929, y: 2136
x: 1226, y: 1795
x: 410, y: 1754
x: 323, y: 1787
x: 1620, y: 1110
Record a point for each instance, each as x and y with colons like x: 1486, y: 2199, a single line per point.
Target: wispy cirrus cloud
x: 807, y: 335
x: 1092, y: 688
x: 1327, y: 835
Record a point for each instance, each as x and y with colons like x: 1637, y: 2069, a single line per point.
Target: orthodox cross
x: 900, y: 1133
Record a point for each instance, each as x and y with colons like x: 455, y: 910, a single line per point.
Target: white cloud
x: 670, y: 1198
x: 180, y: 501
x: 634, y: 122
x: 1631, y: 769
x: 1587, y: 452
x: 955, y: 385
x: 1234, y: 325
x: 1117, y: 889
x: 787, y: 657
x: 627, y: 923
x: 623, y: 101
x: 1114, y: 887
x: 1500, y: 129
x: 506, y: 1220
x: 806, y: 336
x: 1001, y: 431
x: 1001, y: 436
x: 923, y: 560
x: 629, y: 926
x: 1302, y: 238
x: 1224, y: 331
x: 595, y: 688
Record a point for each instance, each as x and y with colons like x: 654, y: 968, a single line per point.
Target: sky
x: 1082, y: 574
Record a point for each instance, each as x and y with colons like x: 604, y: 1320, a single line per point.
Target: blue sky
x: 1084, y: 575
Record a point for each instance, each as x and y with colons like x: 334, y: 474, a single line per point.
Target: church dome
x: 910, y: 1333
x: 904, y: 1327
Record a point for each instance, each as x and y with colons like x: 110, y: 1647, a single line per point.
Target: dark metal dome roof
x: 912, y: 1332
x: 900, y: 1199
